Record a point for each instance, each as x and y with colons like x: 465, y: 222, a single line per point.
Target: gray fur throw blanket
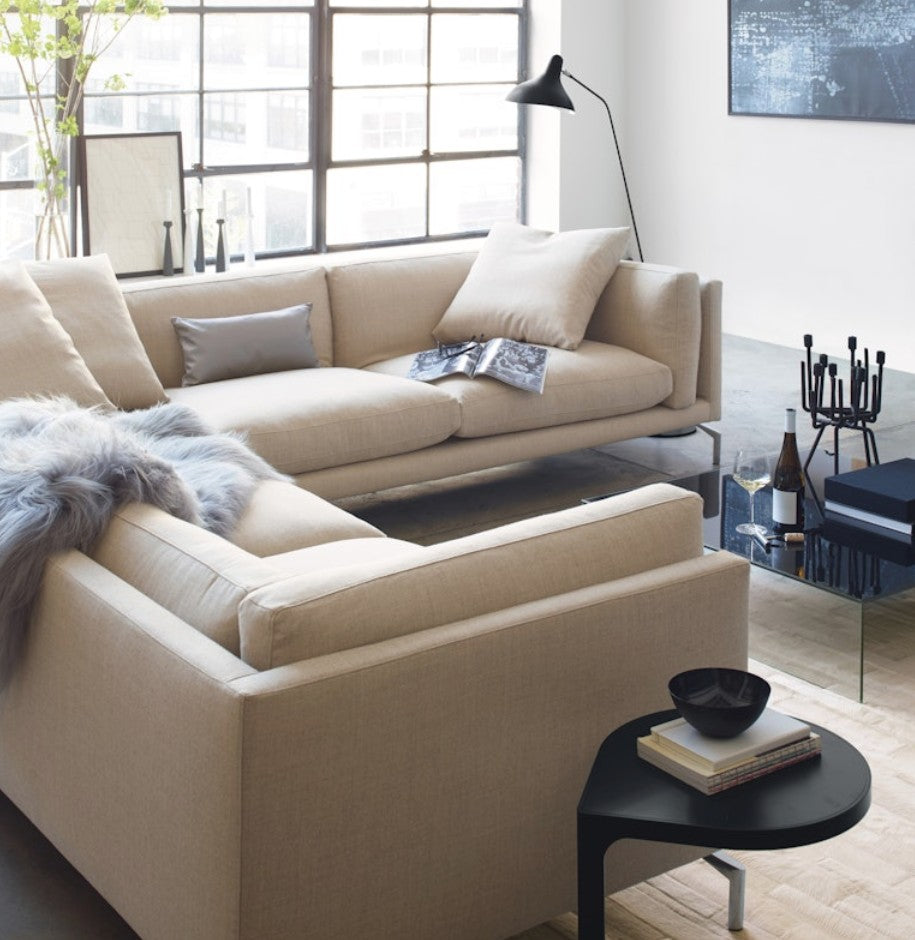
x: 64, y: 470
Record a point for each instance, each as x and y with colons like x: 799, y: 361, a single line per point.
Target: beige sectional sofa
x: 312, y: 730
x: 650, y: 362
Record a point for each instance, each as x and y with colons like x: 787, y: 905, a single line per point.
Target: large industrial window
x: 343, y: 123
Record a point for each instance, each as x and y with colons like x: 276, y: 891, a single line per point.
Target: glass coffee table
x: 825, y: 601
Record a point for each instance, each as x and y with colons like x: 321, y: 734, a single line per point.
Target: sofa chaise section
x: 418, y: 782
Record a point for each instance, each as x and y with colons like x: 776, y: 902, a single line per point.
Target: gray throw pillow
x: 230, y: 347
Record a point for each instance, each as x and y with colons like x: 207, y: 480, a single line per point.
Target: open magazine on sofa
x: 522, y: 365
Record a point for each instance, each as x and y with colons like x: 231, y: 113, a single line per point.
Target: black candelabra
x: 854, y: 406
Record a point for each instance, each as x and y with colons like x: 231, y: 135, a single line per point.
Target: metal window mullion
x: 428, y: 151
x: 523, y: 31
x: 64, y: 73
x: 322, y: 118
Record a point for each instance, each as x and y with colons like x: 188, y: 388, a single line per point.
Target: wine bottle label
x: 784, y: 507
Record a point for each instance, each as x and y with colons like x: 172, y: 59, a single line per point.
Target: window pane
x: 379, y: 3
x: 476, y: 3
x: 471, y: 195
x: 467, y: 48
x: 379, y: 123
x: 379, y: 50
x: 245, y: 50
x: 271, y: 3
x: 380, y: 203
x: 18, y: 208
x: 145, y: 114
x: 281, y: 208
x: 473, y: 117
x: 245, y: 128
x: 17, y: 136
x: 161, y: 53
x: 10, y: 79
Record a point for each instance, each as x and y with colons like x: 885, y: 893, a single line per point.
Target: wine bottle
x: 788, y: 482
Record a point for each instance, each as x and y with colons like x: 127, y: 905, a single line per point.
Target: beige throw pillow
x: 85, y: 297
x: 534, y: 286
x: 37, y: 355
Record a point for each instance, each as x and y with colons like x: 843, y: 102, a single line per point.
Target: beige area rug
x: 857, y: 886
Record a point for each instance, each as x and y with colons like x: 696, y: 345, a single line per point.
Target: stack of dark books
x: 873, y: 509
x: 773, y: 742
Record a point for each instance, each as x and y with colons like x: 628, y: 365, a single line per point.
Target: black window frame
x: 318, y: 84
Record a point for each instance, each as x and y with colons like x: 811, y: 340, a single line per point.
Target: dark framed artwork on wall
x: 132, y: 185
x: 834, y: 59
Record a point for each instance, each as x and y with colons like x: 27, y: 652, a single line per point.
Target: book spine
x: 872, y: 518
x: 774, y: 759
x: 880, y: 504
x: 764, y: 771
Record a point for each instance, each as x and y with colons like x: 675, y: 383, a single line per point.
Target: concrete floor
x: 43, y: 898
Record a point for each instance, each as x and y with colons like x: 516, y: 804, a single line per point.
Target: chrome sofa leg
x: 736, y: 875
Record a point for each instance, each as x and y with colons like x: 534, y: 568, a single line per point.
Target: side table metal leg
x: 737, y: 876
x: 716, y: 443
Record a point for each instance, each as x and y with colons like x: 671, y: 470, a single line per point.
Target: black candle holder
x: 168, y: 260
x: 221, y: 258
x: 855, y: 411
x: 200, y: 261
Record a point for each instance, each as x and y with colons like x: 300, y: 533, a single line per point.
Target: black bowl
x: 719, y: 702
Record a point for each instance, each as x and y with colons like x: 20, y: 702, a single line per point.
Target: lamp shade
x: 546, y: 89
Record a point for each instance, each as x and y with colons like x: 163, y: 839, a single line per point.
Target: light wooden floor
x: 857, y: 886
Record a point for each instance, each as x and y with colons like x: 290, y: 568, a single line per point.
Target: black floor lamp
x: 548, y: 90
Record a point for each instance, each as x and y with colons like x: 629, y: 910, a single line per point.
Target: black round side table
x: 628, y: 798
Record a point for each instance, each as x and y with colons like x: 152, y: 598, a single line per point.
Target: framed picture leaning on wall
x: 131, y: 185
x: 835, y: 59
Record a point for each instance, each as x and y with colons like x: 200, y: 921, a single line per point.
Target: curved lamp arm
x: 619, y: 156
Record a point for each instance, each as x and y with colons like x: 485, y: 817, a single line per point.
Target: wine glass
x: 751, y: 471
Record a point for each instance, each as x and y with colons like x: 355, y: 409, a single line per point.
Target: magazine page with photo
x: 521, y: 365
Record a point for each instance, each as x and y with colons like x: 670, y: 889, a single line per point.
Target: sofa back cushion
x: 37, y: 355
x: 656, y: 311
x: 191, y: 572
x: 345, y: 607
x: 85, y: 297
x: 152, y: 305
x: 384, y: 309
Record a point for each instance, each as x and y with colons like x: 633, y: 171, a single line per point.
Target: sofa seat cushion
x: 309, y: 419
x: 596, y: 380
x: 282, y: 517
x: 340, y: 554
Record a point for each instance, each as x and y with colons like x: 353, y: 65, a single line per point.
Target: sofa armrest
x: 656, y: 311
x: 120, y: 739
x: 459, y: 753
x: 321, y: 612
x: 708, y: 384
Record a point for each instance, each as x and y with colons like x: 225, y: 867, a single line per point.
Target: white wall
x: 572, y: 166
x: 810, y: 224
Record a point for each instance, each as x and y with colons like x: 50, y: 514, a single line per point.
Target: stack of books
x: 711, y: 765
x: 879, y: 500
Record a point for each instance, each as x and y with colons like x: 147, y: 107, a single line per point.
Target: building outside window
x: 346, y: 122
